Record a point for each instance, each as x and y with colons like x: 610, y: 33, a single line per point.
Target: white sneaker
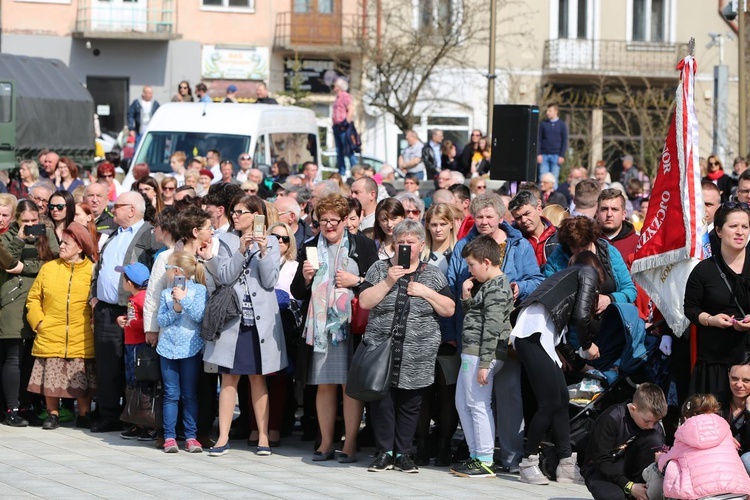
x: 568, y: 471
x: 530, y: 471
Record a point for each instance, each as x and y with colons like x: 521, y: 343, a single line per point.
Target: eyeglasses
x: 481, y: 187
x: 413, y: 212
x: 106, y: 176
x: 183, y: 87
x: 57, y: 206
x: 119, y: 205
x: 251, y: 191
x: 284, y: 239
x: 208, y: 228
x: 329, y: 222
x: 167, y: 189
x: 171, y: 266
x: 245, y: 157
x: 239, y: 213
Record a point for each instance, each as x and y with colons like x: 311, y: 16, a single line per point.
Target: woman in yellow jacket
x: 59, y: 313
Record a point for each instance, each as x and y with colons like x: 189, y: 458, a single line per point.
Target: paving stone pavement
x: 72, y: 463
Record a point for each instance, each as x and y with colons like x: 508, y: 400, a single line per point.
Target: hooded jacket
x: 519, y: 266
x: 625, y: 242
x: 59, y: 299
x: 703, y: 460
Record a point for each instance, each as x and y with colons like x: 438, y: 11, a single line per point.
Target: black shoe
x: 83, y: 422
x: 52, y: 422
x: 147, y: 435
x: 14, y: 419
x: 383, y: 461
x: 106, y: 424
x: 131, y: 433
x: 404, y: 463
x: 31, y: 417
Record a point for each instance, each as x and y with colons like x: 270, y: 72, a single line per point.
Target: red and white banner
x: 670, y: 242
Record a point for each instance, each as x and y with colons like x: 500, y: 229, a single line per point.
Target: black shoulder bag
x: 375, y: 368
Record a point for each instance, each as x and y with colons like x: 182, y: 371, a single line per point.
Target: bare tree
x: 401, y: 58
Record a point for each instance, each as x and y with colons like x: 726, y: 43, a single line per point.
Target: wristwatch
x: 628, y: 489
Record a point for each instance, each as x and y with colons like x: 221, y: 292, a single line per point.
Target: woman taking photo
x: 62, y: 211
x: 405, y: 303
x: 717, y: 302
x: 28, y: 174
x: 60, y: 314
x: 254, y: 343
x: 328, y: 287
x: 28, y: 253
x: 539, y: 324
x: 66, y: 175
x: 388, y: 213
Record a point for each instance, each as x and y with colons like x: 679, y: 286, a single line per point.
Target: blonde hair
x: 291, y: 251
x: 192, y: 174
x: 8, y: 200
x: 190, y: 266
x: 443, y: 212
x: 555, y: 214
x: 272, y: 213
x: 33, y: 168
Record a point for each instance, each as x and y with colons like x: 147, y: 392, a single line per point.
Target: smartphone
x: 312, y: 256
x: 259, y: 225
x: 35, y: 230
x: 404, y: 256
x: 179, y: 282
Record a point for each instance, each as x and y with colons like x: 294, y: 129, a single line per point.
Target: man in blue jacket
x: 553, y: 143
x: 140, y: 112
x: 520, y: 266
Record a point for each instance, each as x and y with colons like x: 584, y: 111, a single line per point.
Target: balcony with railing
x: 613, y: 58
x: 145, y: 20
x: 311, y: 32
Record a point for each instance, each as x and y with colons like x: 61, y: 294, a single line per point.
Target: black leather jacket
x: 571, y: 294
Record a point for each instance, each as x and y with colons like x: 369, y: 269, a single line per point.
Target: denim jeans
x: 130, y: 357
x: 341, y: 139
x: 180, y: 381
x: 746, y: 461
x: 549, y: 164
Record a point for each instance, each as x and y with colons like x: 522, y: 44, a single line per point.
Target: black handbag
x: 369, y: 377
x: 147, y: 364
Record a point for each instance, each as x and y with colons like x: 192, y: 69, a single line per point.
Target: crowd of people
x: 263, y: 287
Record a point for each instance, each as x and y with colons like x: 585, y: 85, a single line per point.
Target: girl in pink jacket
x: 704, y: 459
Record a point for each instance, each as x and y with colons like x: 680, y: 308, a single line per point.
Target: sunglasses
x: 167, y: 189
x: 57, y: 207
x: 251, y: 191
x: 413, y: 212
x: 170, y: 266
x: 712, y: 163
x: 481, y: 187
x: 183, y: 87
x: 106, y: 176
x: 246, y: 157
x: 239, y: 213
x: 279, y: 237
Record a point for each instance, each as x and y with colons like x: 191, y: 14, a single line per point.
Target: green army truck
x: 43, y: 105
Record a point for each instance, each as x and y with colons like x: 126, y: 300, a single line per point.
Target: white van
x: 267, y: 132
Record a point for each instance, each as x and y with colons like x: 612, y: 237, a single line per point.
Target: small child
x: 487, y: 301
x: 180, y: 345
x: 703, y: 461
x: 623, y: 443
x: 136, y: 280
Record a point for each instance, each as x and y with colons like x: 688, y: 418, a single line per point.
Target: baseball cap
x: 135, y: 272
x: 232, y: 88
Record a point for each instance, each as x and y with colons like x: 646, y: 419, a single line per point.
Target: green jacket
x: 15, y: 287
x: 486, y: 324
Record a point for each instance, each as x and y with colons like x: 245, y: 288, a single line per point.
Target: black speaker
x: 515, y: 129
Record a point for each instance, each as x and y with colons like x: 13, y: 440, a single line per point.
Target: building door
x: 316, y: 22
x: 119, y: 15
x: 111, y: 101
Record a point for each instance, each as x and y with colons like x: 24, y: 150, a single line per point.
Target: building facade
x: 609, y: 64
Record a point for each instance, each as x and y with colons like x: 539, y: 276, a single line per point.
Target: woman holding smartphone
x: 28, y: 249
x: 331, y: 271
x: 252, y: 344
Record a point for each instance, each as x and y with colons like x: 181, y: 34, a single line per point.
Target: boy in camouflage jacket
x: 487, y: 301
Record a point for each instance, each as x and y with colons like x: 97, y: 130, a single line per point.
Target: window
x: 6, y: 102
x: 294, y: 148
x: 573, y: 19
x: 228, y: 4
x: 650, y: 20
x: 435, y: 15
x: 158, y: 147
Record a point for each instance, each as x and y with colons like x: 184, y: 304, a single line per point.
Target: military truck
x: 43, y: 105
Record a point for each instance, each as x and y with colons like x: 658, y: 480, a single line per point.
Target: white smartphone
x: 312, y: 256
x: 259, y: 225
